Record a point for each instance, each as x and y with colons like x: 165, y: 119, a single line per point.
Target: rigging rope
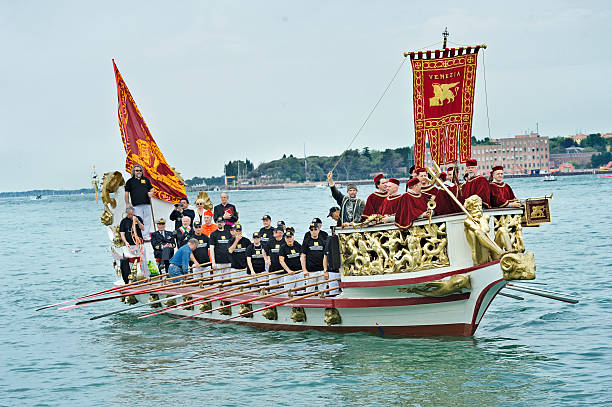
x: 376, y: 105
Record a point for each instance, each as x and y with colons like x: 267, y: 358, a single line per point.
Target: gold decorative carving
x: 370, y: 221
x: 394, y: 251
x: 152, y: 298
x: 518, y: 266
x: 509, y: 233
x: 226, y: 310
x: 484, y: 249
x: 332, y: 316
x: 188, y: 298
x: 270, y: 314
x: 206, y: 306
x: 170, y: 303
x: 298, y: 314
x: 244, y: 308
x: 131, y: 299
x: 117, y: 241
x: 111, y: 181
x: 208, y: 204
x: 440, y: 288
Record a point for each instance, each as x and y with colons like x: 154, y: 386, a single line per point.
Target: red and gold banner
x: 142, y: 149
x: 443, y: 103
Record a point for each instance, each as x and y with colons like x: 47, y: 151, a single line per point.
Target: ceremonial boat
x: 434, y: 278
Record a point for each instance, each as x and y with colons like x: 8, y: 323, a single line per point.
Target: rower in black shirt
x: 272, y: 249
x: 323, y: 234
x: 266, y: 231
x: 257, y: 257
x: 237, y: 252
x: 200, y: 253
x: 289, y: 259
x: 219, y: 245
x: 312, y: 256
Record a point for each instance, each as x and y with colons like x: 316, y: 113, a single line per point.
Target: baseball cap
x: 333, y: 210
x: 266, y: 217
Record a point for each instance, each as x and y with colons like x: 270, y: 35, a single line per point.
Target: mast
x: 445, y: 36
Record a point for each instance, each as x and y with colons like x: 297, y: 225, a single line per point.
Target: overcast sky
x: 223, y: 80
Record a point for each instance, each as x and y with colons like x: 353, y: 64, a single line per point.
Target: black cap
x: 289, y: 233
x: 279, y: 228
x: 237, y: 226
x: 281, y: 222
x: 313, y: 226
x: 291, y: 229
x: 266, y: 217
x: 256, y: 235
x: 317, y: 220
x: 220, y: 219
x: 197, y: 224
x: 332, y: 210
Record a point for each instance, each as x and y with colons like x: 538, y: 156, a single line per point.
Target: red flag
x: 142, y: 149
x: 443, y: 104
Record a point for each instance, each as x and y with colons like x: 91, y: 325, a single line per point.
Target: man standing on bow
x: 376, y: 198
x: 226, y: 210
x: 351, y: 207
x: 139, y: 191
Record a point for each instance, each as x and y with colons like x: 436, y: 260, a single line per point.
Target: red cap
x: 412, y: 182
x: 497, y: 168
x: 419, y: 170
x: 378, y: 177
x: 395, y: 181
x: 208, y: 213
x: 471, y: 162
x: 443, y: 176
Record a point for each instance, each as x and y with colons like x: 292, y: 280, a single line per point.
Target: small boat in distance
x: 548, y: 178
x: 36, y: 198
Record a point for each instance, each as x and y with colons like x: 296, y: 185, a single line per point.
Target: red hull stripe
x: 415, y: 330
x: 414, y: 280
x: 481, y: 299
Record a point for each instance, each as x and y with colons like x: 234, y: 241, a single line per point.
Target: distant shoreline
x: 47, y: 192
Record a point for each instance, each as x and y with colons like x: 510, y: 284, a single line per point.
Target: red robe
x: 501, y: 194
x: 390, y: 205
x: 373, y: 204
x: 445, y: 205
x: 411, y: 206
x: 478, y: 186
x: 430, y: 191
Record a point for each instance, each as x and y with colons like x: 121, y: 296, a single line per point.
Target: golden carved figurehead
x: 110, y: 183
x: 474, y: 206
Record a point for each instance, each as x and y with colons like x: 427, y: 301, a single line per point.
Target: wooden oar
x: 553, y: 295
x: 257, y: 298
x: 201, y: 300
x: 107, y: 291
x: 225, y: 281
x: 278, y: 304
x: 186, y: 283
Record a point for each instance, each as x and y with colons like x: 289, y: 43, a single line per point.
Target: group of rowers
x: 219, y: 246
x: 403, y: 209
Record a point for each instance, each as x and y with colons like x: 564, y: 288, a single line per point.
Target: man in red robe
x: 391, y: 202
x: 427, y: 188
x: 412, y: 205
x: 476, y: 184
x: 376, y: 199
x: 445, y: 204
x: 501, y: 193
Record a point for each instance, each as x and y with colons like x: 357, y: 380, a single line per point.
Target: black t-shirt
x: 332, y: 240
x: 238, y: 256
x: 256, y: 253
x: 266, y: 234
x: 322, y: 234
x: 126, y: 226
x: 272, y: 249
x: 201, y: 252
x: 291, y: 255
x: 139, y: 190
x: 221, y: 240
x: 314, y: 251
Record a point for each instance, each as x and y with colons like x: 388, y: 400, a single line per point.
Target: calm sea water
x: 533, y: 352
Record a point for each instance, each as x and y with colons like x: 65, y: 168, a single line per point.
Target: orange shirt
x: 208, y: 229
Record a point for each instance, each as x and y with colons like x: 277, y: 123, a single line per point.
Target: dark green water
x: 533, y: 352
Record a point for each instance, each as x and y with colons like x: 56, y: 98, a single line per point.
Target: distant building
x: 579, y: 137
x: 522, y: 154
